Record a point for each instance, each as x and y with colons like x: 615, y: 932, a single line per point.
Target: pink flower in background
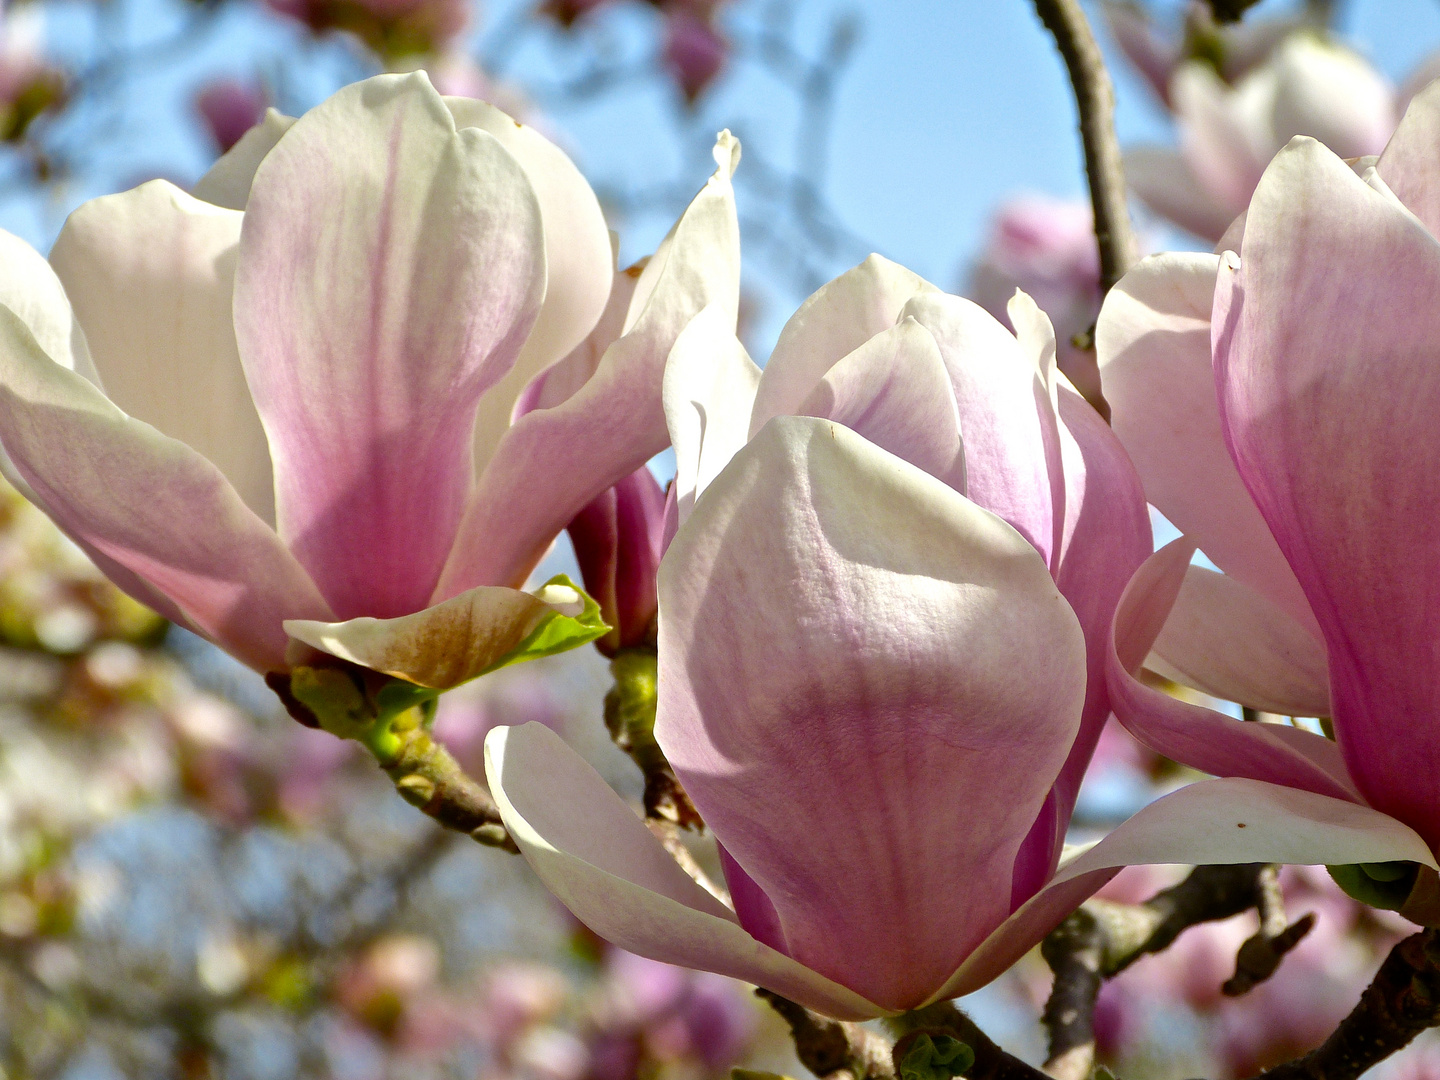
x: 1045, y: 247
x: 393, y: 28
x: 230, y: 108
x: 1280, y: 408
x: 674, y: 1014
x: 29, y: 84
x: 516, y: 696
x: 695, y: 51
x: 869, y: 684
x: 1228, y: 134
x: 307, y: 463
x: 1233, y: 50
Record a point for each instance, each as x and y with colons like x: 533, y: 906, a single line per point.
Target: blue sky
x: 948, y: 107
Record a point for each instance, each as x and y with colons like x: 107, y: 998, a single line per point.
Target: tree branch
x: 1103, y: 938
x: 1095, y: 100
x: 1402, y: 1001
x: 423, y: 771
x: 828, y: 1047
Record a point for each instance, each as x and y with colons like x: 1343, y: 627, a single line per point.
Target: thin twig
x: 1095, y: 99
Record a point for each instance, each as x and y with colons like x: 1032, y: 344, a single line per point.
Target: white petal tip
x: 562, y: 598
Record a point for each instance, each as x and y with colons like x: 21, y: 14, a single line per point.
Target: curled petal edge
x: 469, y: 635
x: 1199, y: 737
x: 602, y: 863
x: 1212, y: 822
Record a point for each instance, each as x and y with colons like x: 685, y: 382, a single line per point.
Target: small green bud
x: 1381, y: 885
x: 937, y: 1057
x: 333, y: 697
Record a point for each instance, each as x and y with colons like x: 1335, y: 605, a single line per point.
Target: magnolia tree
x: 328, y: 410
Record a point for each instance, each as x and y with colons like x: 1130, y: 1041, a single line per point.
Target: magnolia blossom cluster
x: 330, y: 409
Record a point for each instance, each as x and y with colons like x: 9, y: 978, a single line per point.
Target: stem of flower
x: 1095, y: 100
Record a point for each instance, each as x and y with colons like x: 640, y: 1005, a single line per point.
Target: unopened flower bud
x: 230, y: 108
x: 617, y: 540
x: 695, y: 52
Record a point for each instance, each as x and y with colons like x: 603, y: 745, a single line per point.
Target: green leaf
x: 1381, y: 885
x: 557, y: 633
x: 937, y: 1057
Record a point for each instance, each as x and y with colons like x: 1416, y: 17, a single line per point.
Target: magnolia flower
x: 1280, y: 407
x: 869, y: 683
x: 1307, y: 86
x: 1233, y: 50
x: 1046, y: 248
x: 937, y: 381
x: 402, y: 266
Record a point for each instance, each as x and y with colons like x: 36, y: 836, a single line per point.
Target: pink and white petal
x: 1211, y: 823
x: 553, y: 461
x: 708, y: 391
x: 1001, y: 397
x: 709, y: 218
x: 1225, y: 133
x: 1196, y: 736
x: 1150, y: 53
x: 228, y: 181
x: 151, y: 273
x: 833, y: 322
x: 564, y: 378
x: 867, y: 684
x: 29, y: 288
x: 580, y: 264
x: 445, y: 645
x: 895, y: 390
x: 594, y: 854
x: 1107, y: 538
x: 1226, y: 640
x: 1153, y: 344
x: 1408, y: 162
x: 1326, y: 91
x: 365, y: 224
x: 1036, y: 336
x: 1164, y: 181
x: 148, y: 503
x: 1324, y: 354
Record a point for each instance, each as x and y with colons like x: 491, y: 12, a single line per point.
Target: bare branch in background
x: 1095, y: 100
x: 1103, y: 938
x: 1402, y: 1001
